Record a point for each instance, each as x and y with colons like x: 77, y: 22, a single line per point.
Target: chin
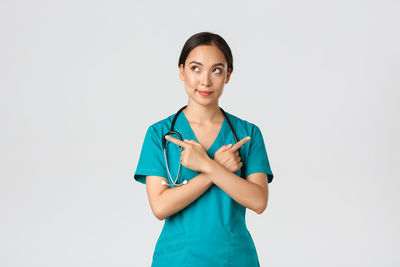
x: 207, y: 102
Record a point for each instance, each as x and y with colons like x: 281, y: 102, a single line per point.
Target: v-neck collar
x: 189, y: 128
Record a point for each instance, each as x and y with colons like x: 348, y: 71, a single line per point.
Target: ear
x: 181, y: 74
x: 228, y: 76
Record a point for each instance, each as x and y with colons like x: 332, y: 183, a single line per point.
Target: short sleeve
x: 151, y: 160
x: 257, y: 159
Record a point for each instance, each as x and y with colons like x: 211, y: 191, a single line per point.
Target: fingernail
x: 248, y: 137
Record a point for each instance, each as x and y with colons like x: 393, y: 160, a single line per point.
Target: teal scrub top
x: 211, y: 231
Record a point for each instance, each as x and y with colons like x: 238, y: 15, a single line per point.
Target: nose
x: 206, y: 80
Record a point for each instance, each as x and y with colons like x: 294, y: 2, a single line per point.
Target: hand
x: 194, y: 156
x: 228, y: 156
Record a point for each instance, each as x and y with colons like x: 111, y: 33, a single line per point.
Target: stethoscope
x: 172, y: 131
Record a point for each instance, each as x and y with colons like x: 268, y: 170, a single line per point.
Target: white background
x: 82, y: 80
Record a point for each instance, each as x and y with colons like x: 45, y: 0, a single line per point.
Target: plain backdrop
x: 82, y: 80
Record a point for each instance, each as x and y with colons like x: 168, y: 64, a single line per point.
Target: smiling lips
x: 204, y: 93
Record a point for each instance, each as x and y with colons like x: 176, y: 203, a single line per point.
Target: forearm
x: 177, y: 198
x: 246, y: 193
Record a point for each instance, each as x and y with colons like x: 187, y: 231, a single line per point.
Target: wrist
x: 209, y: 166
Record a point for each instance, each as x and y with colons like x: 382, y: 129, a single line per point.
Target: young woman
x: 202, y: 181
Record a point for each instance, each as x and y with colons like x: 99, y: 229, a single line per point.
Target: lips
x: 205, y: 93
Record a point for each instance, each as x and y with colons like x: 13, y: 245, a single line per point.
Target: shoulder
x: 245, y: 126
x: 162, y: 122
x: 161, y: 126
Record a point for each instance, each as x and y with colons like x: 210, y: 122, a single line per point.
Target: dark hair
x: 206, y: 38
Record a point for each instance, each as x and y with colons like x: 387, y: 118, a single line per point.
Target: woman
x: 204, y: 210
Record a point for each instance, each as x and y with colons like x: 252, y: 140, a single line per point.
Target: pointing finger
x: 227, y: 147
x: 240, y: 143
x: 223, y: 148
x: 176, y: 141
x: 190, y: 141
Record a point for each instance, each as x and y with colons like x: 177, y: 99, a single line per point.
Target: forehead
x: 206, y: 54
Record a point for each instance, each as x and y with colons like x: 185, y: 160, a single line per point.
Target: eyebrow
x: 216, y: 64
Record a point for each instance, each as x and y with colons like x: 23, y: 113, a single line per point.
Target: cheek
x: 219, y: 82
x: 192, y: 80
x: 191, y: 84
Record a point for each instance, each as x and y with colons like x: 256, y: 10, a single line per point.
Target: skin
x: 206, y: 70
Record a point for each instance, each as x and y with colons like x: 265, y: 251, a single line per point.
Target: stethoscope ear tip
x: 184, y: 182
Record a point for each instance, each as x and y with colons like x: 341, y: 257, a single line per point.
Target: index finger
x: 176, y: 141
x: 240, y: 143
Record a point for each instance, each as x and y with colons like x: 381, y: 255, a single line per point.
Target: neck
x: 197, y: 113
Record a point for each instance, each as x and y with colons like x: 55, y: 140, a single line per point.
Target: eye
x: 192, y: 68
x: 220, y: 71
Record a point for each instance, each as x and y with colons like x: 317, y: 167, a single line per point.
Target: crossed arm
x: 166, y: 201
x: 251, y: 192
